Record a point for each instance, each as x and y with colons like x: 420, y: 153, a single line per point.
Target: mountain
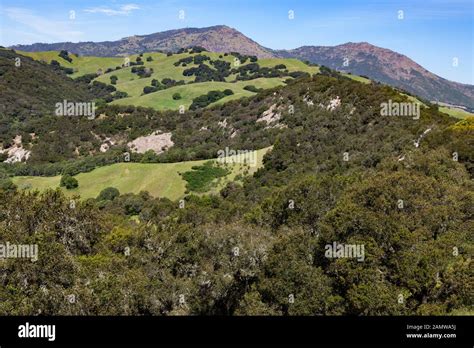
x: 386, y: 66
x: 218, y: 38
x: 377, y: 63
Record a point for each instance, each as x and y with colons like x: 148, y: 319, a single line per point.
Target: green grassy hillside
x: 162, y: 100
x: 357, y: 78
x: 163, y: 67
x: 456, y: 112
x: 81, y: 65
x: 159, y: 179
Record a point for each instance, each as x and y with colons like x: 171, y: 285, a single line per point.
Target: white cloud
x: 122, y: 10
x: 49, y: 30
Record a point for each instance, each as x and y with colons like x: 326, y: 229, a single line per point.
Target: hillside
x: 160, y: 81
x: 48, y: 142
x: 377, y: 63
x: 338, y: 172
x: 388, y: 67
x: 32, y: 88
x: 220, y: 71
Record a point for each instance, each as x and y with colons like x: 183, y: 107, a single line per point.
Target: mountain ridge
x: 362, y: 58
x: 170, y: 40
x: 386, y: 66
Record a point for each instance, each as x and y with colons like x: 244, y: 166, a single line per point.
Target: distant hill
x: 386, y: 66
x: 377, y: 63
x: 218, y: 38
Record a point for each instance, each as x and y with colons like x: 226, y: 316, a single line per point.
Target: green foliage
x: 108, y: 194
x: 201, y: 177
x: 243, y: 57
x: 205, y: 73
x: 33, y: 90
x: 197, y: 49
x: 253, y: 71
x: 197, y: 59
x: 65, y: 55
x: 68, y: 182
x: 149, y: 89
x: 168, y: 83
x: 293, y: 283
x: 211, y: 97
x: 6, y: 184
x: 176, y: 96
x: 142, y: 71
x: 252, y: 88
x: 164, y: 84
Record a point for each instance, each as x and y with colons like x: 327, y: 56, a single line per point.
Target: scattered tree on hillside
x: 68, y: 182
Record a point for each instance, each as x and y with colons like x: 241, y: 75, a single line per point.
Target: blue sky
x: 432, y: 32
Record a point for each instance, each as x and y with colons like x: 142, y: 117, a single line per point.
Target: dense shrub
x: 68, y: 182
x: 200, y: 177
x: 65, y: 55
x: 108, y: 194
x: 211, y: 97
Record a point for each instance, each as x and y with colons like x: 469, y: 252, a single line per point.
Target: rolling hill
x: 163, y: 66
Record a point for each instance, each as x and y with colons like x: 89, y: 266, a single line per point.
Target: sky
x: 437, y: 34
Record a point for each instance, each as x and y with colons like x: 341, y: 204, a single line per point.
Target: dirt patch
x: 156, y: 141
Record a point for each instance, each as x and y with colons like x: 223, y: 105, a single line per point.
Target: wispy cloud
x: 48, y: 29
x: 123, y: 10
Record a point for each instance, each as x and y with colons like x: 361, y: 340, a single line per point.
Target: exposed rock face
x: 106, y: 145
x: 156, y: 141
x: 222, y: 124
x: 271, y: 115
x: 334, y: 104
x: 16, y: 153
